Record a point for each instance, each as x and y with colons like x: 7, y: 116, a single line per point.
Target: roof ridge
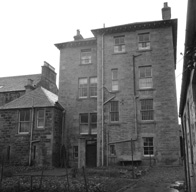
x: 21, y: 76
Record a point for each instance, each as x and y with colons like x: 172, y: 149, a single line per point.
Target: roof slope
x: 17, y: 83
x: 39, y: 97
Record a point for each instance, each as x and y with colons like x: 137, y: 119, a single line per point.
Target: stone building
x: 31, y: 128
x: 14, y: 87
x: 188, y: 98
x: 30, y: 119
x: 119, y: 91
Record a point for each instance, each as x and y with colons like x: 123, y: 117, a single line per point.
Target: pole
x: 132, y: 158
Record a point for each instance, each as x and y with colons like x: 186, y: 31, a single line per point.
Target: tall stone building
x: 118, y: 89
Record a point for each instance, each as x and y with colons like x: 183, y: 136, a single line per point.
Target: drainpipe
x: 135, y: 96
x: 102, y: 95
x: 184, y: 154
x: 31, y: 133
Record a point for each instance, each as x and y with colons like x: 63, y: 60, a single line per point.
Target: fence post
x: 85, y: 181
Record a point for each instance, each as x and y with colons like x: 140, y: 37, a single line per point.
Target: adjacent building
x: 188, y: 98
x: 31, y: 119
x: 118, y: 89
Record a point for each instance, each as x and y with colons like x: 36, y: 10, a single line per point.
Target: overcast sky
x: 30, y: 28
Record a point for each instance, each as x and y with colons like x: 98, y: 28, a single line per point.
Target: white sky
x: 30, y: 28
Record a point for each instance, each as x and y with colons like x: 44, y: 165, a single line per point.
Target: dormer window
x: 119, y: 44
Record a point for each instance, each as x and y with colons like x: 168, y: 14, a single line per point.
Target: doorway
x: 91, y: 153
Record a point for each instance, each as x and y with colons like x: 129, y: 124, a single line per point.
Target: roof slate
x: 17, y: 83
x: 39, y: 97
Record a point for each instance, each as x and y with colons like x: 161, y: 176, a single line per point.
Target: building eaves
x: 81, y: 42
x: 39, y: 97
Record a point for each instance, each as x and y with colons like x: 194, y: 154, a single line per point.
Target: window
x: 114, y: 111
x: 145, y: 77
x: 93, y: 123
x: 93, y: 87
x: 144, y: 41
x: 40, y: 118
x: 148, y: 146
x: 115, y: 86
x: 85, y: 56
x: 88, y: 123
x: 84, y: 123
x: 119, y: 44
x: 75, y: 152
x: 112, y: 150
x: 147, y: 109
x: 83, y: 83
x: 24, y: 121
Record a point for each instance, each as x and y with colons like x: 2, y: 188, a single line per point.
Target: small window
x: 40, y: 118
x: 147, y: 109
x: 75, y: 152
x: 93, y: 87
x: 114, y: 111
x: 119, y: 44
x: 145, y: 77
x: 93, y: 123
x: 148, y: 146
x: 85, y: 56
x: 24, y: 121
x: 112, y: 150
x: 115, y: 86
x: 84, y: 128
x: 83, y: 87
x: 144, y: 41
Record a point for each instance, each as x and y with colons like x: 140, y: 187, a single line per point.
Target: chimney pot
x: 78, y: 36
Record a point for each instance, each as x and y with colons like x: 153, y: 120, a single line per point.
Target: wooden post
x: 86, y: 186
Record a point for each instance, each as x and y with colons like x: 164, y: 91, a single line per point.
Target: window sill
x: 143, y: 50
x: 119, y: 53
x: 148, y: 156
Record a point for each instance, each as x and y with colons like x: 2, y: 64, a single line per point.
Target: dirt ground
x: 112, y: 179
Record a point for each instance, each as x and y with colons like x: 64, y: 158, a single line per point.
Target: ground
x: 112, y: 179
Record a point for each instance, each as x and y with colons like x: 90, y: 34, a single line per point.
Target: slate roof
x: 39, y: 97
x: 17, y: 83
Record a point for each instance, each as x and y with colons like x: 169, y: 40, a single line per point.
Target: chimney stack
x: 78, y: 36
x: 29, y: 86
x: 166, y: 12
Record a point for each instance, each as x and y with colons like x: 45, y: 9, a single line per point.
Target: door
x: 91, y: 153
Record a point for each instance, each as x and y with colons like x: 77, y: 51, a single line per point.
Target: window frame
x: 82, y: 88
x: 112, y: 150
x: 113, y: 113
x: 115, y: 80
x: 28, y: 121
x: 145, y: 110
x: 146, y: 79
x: 120, y: 44
x: 148, y: 146
x: 89, y: 124
x: 92, y: 86
x: 84, y: 57
x: 43, y: 118
x: 147, y: 47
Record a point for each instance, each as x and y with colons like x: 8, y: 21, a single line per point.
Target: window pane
x: 84, y: 118
x: 84, y: 129
x: 93, y: 87
x: 24, y: 127
x: 41, y: 113
x: 145, y: 83
x: 40, y: 123
x: 83, y: 87
x: 148, y: 146
x: 114, y: 106
x: 114, y: 74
